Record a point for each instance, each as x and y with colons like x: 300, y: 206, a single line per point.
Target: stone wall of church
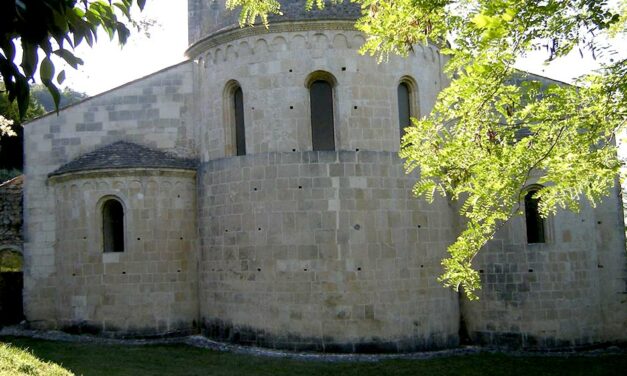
x: 153, y: 111
x: 149, y: 287
x: 298, y: 249
x: 208, y: 18
x: 322, y: 251
x: 273, y: 71
x: 566, y: 292
x: 317, y: 250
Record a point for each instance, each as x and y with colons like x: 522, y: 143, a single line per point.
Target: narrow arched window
x: 404, y: 109
x: 238, y: 112
x: 533, y: 220
x: 113, y: 226
x: 322, y: 126
x: 234, y: 122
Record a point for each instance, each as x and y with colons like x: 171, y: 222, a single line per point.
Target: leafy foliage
x: 67, y: 97
x: 10, y: 111
x: 253, y: 9
x: 8, y: 174
x: 493, y: 132
x: 50, y: 27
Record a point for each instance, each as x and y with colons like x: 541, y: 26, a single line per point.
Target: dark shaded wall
x: 11, y: 213
x: 11, y: 150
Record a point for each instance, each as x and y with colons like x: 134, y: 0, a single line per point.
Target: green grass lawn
x: 92, y: 359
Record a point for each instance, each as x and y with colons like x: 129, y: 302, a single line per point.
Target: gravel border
x: 205, y: 343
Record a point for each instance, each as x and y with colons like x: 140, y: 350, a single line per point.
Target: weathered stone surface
x: 207, y: 18
x: 11, y: 214
x: 149, y: 288
x: 124, y: 155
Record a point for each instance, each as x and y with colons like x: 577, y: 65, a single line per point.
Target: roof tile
x: 123, y: 154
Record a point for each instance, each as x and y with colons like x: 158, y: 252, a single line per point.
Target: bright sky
x: 108, y: 66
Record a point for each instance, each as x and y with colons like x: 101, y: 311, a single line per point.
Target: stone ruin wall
x: 11, y: 214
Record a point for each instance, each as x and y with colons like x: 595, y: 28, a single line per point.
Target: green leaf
x: 46, y: 69
x: 54, y: 92
x: 29, y: 58
x: 8, y: 47
x: 481, y: 20
x: 123, y: 33
x: 69, y: 57
x: 509, y: 14
x: 61, y: 77
x: 22, y: 91
x: 124, y: 8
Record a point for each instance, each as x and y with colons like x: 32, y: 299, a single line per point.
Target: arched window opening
x: 533, y: 220
x: 234, y: 121
x: 322, y: 125
x: 238, y: 112
x: 113, y: 226
x: 404, y: 109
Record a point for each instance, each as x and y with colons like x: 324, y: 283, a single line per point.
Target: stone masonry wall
x: 153, y: 112
x: 569, y: 291
x: 151, y: 287
x: 210, y: 17
x: 295, y: 248
x: 272, y: 70
x: 323, y: 251
x: 11, y: 213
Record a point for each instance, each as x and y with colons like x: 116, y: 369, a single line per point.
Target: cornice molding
x: 121, y: 173
x: 231, y: 34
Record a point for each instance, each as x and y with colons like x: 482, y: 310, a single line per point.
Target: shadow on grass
x: 96, y: 359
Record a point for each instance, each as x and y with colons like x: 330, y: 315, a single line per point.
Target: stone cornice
x: 231, y: 34
x: 121, y: 172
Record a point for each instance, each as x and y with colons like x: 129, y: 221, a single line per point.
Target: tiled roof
x: 121, y: 155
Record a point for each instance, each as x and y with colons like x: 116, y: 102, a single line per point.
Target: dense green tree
x: 9, y: 109
x: 488, y: 139
x: 67, y: 96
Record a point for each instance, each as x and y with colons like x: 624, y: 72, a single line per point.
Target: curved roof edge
x: 125, y: 155
x: 231, y: 33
